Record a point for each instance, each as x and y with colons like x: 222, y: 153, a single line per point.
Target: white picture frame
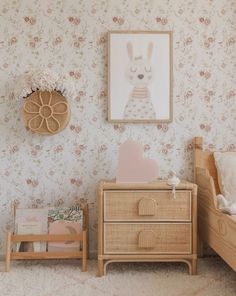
x: 140, y: 76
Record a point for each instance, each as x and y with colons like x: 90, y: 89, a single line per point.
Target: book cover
x: 64, y: 227
x: 29, y: 228
x: 26, y: 217
x: 68, y: 220
x: 65, y: 214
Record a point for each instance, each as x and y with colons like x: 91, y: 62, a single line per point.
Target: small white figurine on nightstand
x: 173, y: 181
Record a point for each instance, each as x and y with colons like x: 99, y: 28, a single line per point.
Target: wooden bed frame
x: 215, y: 228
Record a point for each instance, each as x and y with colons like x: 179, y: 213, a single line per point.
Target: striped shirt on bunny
x: 139, y: 105
x: 140, y: 92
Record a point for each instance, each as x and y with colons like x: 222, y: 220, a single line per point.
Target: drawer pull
x: 146, y: 239
x: 147, y: 207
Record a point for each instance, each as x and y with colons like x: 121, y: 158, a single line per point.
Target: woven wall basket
x: 46, y: 113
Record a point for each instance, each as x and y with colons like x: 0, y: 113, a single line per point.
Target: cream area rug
x: 64, y: 278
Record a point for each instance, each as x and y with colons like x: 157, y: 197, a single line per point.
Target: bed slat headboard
x: 205, y: 160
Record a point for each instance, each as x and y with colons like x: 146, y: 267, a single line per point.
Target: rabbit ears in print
x: 131, y: 52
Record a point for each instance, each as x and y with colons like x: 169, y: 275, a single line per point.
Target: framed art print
x: 140, y: 77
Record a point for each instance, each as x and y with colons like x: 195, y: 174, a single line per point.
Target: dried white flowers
x: 43, y: 80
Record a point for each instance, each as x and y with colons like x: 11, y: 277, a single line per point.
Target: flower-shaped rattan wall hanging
x: 46, y: 109
x: 46, y: 112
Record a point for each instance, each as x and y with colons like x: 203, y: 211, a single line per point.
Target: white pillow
x: 226, y: 170
x: 225, y: 206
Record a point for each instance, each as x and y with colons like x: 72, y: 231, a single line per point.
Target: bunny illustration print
x: 140, y: 75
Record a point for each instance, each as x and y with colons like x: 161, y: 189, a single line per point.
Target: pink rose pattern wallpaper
x: 70, y: 36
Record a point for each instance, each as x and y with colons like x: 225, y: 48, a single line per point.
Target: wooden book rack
x: 13, y: 238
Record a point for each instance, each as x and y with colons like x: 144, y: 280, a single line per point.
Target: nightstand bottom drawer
x: 148, y: 238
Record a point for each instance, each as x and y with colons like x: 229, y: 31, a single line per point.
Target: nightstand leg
x: 100, y: 267
x: 193, y: 267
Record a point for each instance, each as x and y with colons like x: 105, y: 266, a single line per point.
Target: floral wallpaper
x: 70, y: 36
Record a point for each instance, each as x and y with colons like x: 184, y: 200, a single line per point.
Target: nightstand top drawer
x: 150, y: 238
x: 149, y: 205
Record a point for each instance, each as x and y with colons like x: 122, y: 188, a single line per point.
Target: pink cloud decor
x: 133, y: 167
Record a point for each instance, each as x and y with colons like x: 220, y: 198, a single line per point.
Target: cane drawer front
x: 147, y: 238
x: 152, y: 205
